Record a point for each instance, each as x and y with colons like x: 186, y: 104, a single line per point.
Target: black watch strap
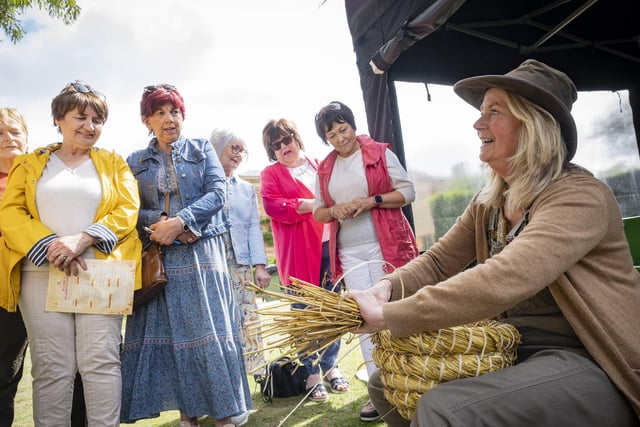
x: 377, y: 199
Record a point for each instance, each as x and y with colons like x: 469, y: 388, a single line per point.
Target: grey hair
x: 220, y: 138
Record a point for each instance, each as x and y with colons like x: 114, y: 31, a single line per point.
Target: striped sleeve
x: 107, y: 238
x: 38, y: 252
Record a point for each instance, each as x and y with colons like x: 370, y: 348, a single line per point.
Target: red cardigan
x: 297, y: 237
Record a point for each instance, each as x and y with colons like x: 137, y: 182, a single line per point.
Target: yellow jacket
x: 20, y: 222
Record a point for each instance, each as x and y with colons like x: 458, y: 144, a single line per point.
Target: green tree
x: 447, y: 206
x: 11, y: 10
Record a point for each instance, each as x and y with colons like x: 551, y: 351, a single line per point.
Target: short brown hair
x: 78, y: 95
x: 275, y: 129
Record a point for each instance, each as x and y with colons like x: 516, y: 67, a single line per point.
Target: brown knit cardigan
x: 574, y: 243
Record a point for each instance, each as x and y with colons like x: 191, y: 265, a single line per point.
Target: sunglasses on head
x: 332, y: 106
x: 153, y: 88
x: 83, y: 88
x: 286, y: 140
x: 237, y: 149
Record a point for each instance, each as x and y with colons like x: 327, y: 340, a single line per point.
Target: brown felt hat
x: 541, y: 84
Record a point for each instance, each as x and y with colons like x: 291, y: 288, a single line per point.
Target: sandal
x: 318, y: 393
x: 339, y: 385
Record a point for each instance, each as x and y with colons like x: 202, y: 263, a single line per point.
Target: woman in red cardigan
x: 286, y: 188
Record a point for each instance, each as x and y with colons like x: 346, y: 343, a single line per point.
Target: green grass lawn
x: 341, y: 410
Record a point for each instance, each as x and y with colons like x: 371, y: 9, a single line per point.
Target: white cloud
x: 439, y: 135
x: 237, y: 64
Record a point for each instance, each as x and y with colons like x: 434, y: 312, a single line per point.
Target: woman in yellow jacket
x: 65, y: 203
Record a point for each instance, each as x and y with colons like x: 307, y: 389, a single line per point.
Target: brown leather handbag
x: 154, y: 278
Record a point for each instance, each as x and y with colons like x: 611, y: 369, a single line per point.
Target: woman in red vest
x: 361, y: 189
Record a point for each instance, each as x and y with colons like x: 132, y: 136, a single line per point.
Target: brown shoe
x: 369, y: 412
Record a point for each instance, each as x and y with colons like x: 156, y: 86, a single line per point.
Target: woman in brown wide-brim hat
x: 552, y: 260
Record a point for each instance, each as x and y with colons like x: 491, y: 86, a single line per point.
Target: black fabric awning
x: 597, y: 43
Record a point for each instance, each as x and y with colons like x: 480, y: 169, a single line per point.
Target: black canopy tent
x: 597, y: 43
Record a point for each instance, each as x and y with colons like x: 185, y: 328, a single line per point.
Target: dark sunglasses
x: 82, y: 88
x: 153, y: 88
x: 286, y: 140
x: 237, y: 149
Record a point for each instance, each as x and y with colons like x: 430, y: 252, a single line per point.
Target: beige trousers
x: 61, y: 344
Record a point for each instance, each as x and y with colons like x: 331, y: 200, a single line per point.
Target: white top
x: 348, y: 181
x: 67, y: 200
x: 308, y: 175
x: 305, y: 173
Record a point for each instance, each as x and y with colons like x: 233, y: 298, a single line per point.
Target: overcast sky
x: 238, y: 64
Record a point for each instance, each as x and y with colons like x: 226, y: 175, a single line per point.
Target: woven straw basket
x: 412, y: 365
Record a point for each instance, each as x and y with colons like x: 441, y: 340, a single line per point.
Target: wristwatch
x: 185, y: 227
x: 377, y: 200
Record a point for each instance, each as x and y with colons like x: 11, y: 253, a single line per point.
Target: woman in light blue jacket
x: 245, y: 244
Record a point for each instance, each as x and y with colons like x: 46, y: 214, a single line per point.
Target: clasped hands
x: 352, y: 209
x: 65, y: 253
x: 168, y: 231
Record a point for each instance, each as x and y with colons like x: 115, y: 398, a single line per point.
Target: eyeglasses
x: 237, y: 149
x: 286, y: 140
x: 82, y: 88
x: 153, y: 88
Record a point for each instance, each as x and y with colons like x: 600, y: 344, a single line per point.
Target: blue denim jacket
x: 246, y: 232
x: 201, y: 182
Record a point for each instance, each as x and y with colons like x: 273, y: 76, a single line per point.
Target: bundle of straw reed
x: 300, y: 332
x: 478, y: 338
x: 410, y: 366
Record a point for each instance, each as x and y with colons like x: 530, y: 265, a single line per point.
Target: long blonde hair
x: 539, y: 158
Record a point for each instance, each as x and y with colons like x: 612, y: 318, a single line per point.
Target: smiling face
x: 166, y: 124
x: 80, y: 129
x: 232, y: 156
x: 498, y: 131
x: 13, y: 140
x: 343, y: 138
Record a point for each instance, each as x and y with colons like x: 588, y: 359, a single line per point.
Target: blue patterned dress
x: 183, y: 350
